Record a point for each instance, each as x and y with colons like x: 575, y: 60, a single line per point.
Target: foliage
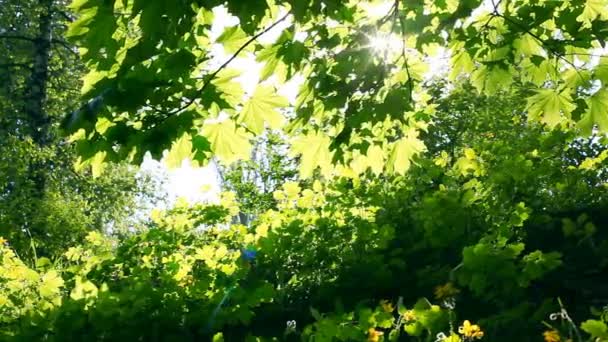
x: 45, y: 205
x: 255, y: 181
x: 469, y: 244
x: 362, y: 103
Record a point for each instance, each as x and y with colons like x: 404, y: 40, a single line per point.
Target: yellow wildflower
x: 409, y: 315
x: 470, y: 330
x: 2, y: 241
x: 387, y: 306
x: 445, y: 291
x: 373, y: 335
x: 551, y: 336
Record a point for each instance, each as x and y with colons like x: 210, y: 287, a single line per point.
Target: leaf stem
x: 223, y: 66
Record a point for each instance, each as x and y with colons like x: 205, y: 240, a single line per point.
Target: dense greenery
x: 45, y: 205
x: 383, y: 204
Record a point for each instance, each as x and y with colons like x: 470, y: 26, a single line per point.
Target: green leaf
x: 98, y: 164
x: 268, y: 55
x: 51, y: 284
x: 262, y: 108
x: 528, y: 45
x: 103, y: 124
x: 228, y: 142
x: 461, y: 61
x: 375, y: 159
x: 233, y: 38
x: 413, y: 329
x: 601, y: 71
x: 491, y: 79
x: 403, y: 151
x: 315, y: 314
x: 43, y: 263
x: 595, y: 328
x: 550, y: 106
x: 231, y: 90
x: 83, y: 289
x: 180, y: 149
x: 249, y: 12
x: 596, y: 114
x: 593, y: 9
x: 314, y: 151
x: 80, y: 26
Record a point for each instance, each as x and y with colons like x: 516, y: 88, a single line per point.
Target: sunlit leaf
x: 550, y: 106
x: 314, y: 151
x: 181, y: 149
x: 228, y: 142
x: 597, y: 113
x: 399, y: 160
x: 262, y: 108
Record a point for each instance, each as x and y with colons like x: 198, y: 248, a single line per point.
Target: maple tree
x: 158, y: 84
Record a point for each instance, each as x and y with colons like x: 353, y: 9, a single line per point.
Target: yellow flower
x: 470, y: 330
x: 409, y: 315
x: 551, y: 336
x: 2, y: 241
x: 445, y: 291
x: 373, y: 335
x: 387, y: 306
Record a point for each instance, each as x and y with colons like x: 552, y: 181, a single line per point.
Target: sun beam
x: 386, y: 45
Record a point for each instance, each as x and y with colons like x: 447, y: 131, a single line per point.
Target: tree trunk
x: 35, y: 92
x: 37, y: 117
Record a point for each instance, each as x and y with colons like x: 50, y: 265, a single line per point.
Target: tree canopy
x: 159, y: 83
x: 45, y: 204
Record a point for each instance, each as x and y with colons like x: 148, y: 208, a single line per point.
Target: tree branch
x: 224, y: 65
x: 17, y: 37
x: 393, y: 12
x: 33, y: 40
x: 66, y: 45
x: 15, y: 65
x: 543, y: 43
x: 64, y: 15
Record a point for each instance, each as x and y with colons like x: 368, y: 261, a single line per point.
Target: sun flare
x: 386, y: 44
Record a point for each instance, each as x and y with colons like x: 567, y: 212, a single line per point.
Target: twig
x: 34, y: 40
x: 410, y: 81
x: 66, y: 45
x: 543, y: 43
x: 17, y: 37
x: 392, y: 12
x: 65, y: 15
x: 224, y: 65
x: 15, y: 65
x: 493, y: 15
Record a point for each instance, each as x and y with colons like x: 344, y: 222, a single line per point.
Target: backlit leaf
x: 180, y: 149
x: 403, y: 151
x: 597, y: 113
x: 314, y: 151
x: 262, y: 108
x: 550, y: 106
x: 228, y: 142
